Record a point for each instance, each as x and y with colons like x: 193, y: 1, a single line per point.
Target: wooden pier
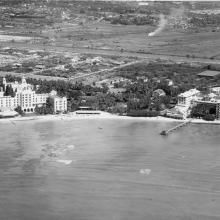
x: 167, y: 132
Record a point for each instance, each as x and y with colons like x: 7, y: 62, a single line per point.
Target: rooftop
x: 209, y: 73
x: 215, y: 89
x: 189, y: 93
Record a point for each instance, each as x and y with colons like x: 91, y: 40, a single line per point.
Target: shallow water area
x: 125, y: 170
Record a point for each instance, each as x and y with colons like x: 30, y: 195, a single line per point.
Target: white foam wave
x: 71, y: 147
x: 145, y: 171
x: 66, y: 162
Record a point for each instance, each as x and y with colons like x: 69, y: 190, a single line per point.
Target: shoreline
x: 103, y: 115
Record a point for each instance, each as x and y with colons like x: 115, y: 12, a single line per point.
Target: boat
x: 163, y: 132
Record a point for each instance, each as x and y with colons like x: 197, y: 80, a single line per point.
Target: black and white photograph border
x: 109, y: 110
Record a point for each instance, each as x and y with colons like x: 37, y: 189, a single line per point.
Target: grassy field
x: 133, y: 38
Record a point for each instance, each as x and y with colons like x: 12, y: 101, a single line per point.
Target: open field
x: 133, y: 38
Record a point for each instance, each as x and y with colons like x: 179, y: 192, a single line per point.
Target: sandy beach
x: 102, y: 115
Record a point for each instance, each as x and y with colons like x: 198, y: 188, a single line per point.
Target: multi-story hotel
x: 194, y: 97
x: 27, y: 98
x: 59, y: 103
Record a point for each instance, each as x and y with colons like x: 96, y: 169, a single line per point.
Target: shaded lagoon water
x: 119, y: 170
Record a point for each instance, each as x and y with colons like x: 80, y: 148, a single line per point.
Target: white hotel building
x: 27, y: 99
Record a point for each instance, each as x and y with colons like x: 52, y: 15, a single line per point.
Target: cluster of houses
x: 193, y: 97
x: 26, y: 97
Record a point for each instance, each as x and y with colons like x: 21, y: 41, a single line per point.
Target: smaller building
x: 216, y: 90
x: 59, y: 103
x: 185, y: 98
x: 39, y: 67
x: 169, y: 82
x: 209, y: 74
x: 174, y: 112
x: 117, y: 90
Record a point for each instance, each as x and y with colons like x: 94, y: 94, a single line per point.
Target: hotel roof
x: 189, y: 93
x: 209, y: 73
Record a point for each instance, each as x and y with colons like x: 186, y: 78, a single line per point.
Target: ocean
x: 108, y: 169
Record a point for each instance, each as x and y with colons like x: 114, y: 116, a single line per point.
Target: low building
x: 174, y: 112
x: 117, y: 90
x: 169, y: 82
x: 215, y: 90
x: 39, y: 67
x: 209, y: 74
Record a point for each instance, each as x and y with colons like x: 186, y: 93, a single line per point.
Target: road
x: 71, y: 79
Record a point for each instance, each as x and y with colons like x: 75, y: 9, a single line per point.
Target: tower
x: 4, y: 81
x: 23, y: 80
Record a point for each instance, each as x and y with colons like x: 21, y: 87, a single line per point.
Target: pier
x: 167, y: 132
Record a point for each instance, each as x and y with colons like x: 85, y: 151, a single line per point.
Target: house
x: 117, y: 90
x: 156, y: 80
x: 215, y: 90
x: 39, y: 67
x: 144, y: 78
x: 169, y: 82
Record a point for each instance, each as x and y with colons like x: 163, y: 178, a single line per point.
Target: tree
x: 49, y: 106
x: 9, y: 91
x: 19, y: 110
x: 209, y: 117
x: 45, y: 108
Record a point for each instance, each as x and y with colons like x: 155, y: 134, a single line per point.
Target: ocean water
x: 108, y: 170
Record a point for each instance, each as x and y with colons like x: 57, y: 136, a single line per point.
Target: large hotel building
x: 28, y: 99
